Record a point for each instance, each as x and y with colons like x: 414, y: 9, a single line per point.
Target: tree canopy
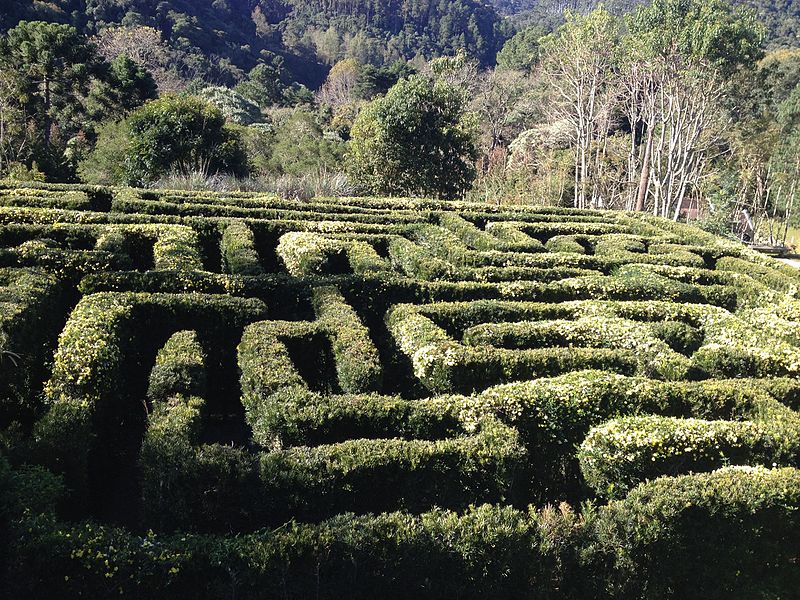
x: 417, y: 140
x: 173, y: 133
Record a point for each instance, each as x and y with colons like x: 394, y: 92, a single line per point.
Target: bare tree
x: 145, y: 47
x: 683, y: 117
x: 499, y: 102
x: 578, y: 65
x: 341, y: 86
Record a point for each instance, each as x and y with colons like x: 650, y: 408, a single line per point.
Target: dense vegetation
x: 781, y: 18
x: 223, y: 39
x: 238, y: 396
x: 319, y: 299
x: 679, y: 107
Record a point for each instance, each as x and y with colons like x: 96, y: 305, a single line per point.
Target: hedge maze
x: 236, y: 396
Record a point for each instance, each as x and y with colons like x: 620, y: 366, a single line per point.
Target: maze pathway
x: 233, y: 395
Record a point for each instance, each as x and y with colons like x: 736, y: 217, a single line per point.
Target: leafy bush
x: 179, y: 368
x: 416, y: 141
x: 239, y: 255
x: 624, y: 452
x: 726, y: 534
x: 171, y: 133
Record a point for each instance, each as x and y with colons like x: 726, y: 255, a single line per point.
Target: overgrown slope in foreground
x: 235, y: 396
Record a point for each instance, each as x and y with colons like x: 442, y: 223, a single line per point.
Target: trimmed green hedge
x: 188, y: 486
x: 729, y: 346
x: 87, y: 390
x: 179, y: 368
x: 31, y: 302
x: 358, y: 365
x: 371, y: 301
x: 565, y: 243
x: 167, y: 464
x: 238, y: 249
x: 500, y: 237
x: 656, y: 358
x: 731, y: 535
x: 305, y: 253
x: 616, y: 456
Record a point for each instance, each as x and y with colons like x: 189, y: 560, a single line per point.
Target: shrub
x: 182, y: 133
x: 238, y: 249
x: 727, y: 534
x: 623, y: 452
x: 565, y: 243
x: 416, y: 141
x: 179, y: 368
x: 88, y: 379
x: 358, y: 365
x: 29, y: 303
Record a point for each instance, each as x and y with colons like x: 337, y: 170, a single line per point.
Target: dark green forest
x: 223, y: 39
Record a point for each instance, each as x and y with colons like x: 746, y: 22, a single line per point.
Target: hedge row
x: 449, y: 264
x: 552, y: 415
x: 731, y: 534
x: 72, y: 200
x: 636, y: 249
x: 358, y: 365
x: 31, y: 304
x: 655, y: 355
x: 132, y: 205
x: 782, y: 280
x: 568, y: 244
x: 194, y: 487
x: 238, y: 249
x: 305, y: 253
x: 730, y: 347
x: 99, y: 196
x: 444, y: 365
x: 416, y: 261
x: 179, y: 368
x: 512, y: 237
x: 177, y: 248
x: 267, y: 367
x: 88, y: 390
x: 502, y: 236
x: 166, y: 462
x: 174, y: 247
x: 625, y: 451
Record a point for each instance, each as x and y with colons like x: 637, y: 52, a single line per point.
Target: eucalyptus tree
x: 684, y: 53
x: 578, y: 64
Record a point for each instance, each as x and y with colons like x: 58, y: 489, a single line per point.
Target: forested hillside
x: 219, y: 40
x: 782, y: 17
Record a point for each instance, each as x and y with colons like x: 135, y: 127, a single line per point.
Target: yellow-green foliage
x: 235, y: 394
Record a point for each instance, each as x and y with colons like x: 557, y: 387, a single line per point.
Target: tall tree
x: 123, y: 85
x: 418, y: 140
x: 521, y: 52
x: 342, y: 85
x: 688, y: 50
x: 174, y: 133
x: 578, y: 63
x: 52, y: 65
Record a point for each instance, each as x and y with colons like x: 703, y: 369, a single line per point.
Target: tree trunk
x: 644, y: 180
x: 47, y: 123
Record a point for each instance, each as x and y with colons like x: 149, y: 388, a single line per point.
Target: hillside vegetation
x: 221, y: 40
x: 682, y: 108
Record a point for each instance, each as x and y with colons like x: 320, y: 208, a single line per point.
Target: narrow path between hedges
x: 792, y: 262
